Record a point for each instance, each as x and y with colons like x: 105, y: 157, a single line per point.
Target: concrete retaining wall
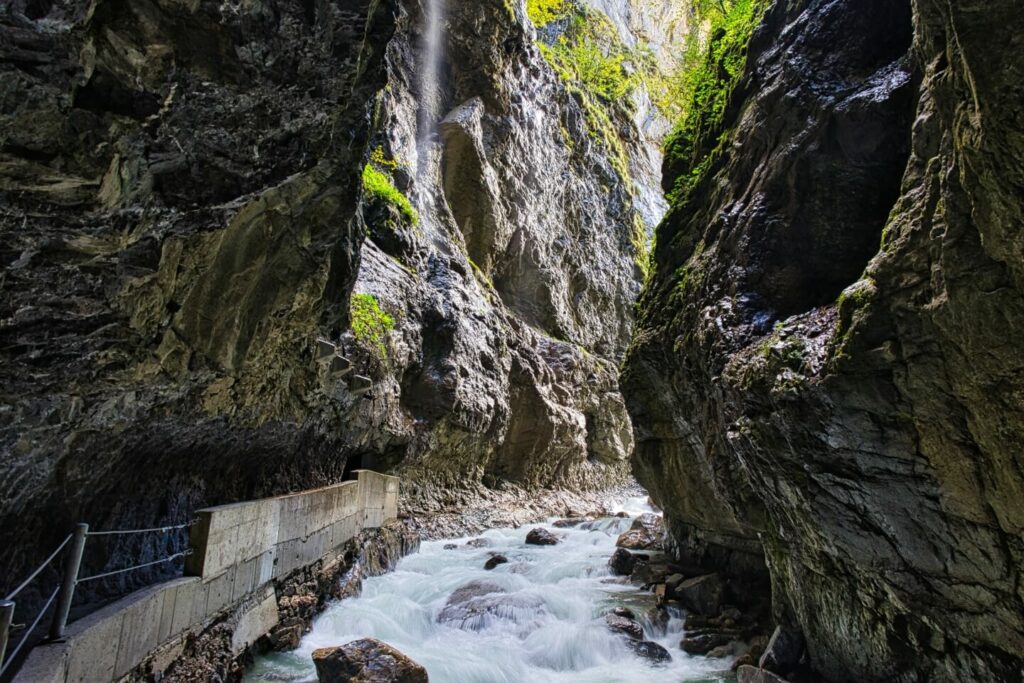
x: 238, y: 550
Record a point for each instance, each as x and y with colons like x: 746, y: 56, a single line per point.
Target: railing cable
x: 138, y: 566
x: 159, y: 529
x: 40, y: 569
x: 28, y: 632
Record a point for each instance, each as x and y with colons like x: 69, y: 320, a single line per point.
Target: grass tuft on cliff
x: 371, y: 326
x: 377, y: 186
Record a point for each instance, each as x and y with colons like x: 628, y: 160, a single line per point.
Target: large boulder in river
x: 624, y: 625
x: 647, y: 533
x: 366, y: 661
x: 541, y: 536
x: 649, y: 650
x: 702, y: 594
x: 622, y: 562
x: 477, y: 604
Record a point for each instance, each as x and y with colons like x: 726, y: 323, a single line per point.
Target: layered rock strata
x: 828, y: 369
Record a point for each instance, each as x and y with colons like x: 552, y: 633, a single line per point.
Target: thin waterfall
x: 432, y: 56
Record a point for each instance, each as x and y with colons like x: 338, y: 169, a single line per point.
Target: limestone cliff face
x: 828, y: 366
x: 512, y: 293
x: 184, y: 223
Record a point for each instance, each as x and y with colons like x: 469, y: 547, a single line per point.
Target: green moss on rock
x: 378, y: 187
x: 370, y: 324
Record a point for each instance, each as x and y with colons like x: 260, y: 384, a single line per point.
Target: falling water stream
x: 547, y: 625
x: 429, y: 71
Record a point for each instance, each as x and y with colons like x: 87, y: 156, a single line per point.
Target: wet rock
x: 672, y: 583
x: 627, y: 627
x: 746, y: 659
x: 478, y: 543
x: 702, y: 594
x: 704, y: 643
x: 646, y: 533
x: 722, y: 651
x: 622, y: 562
x: 658, y: 617
x: 541, y: 536
x: 366, y: 661
x: 783, y: 652
x: 650, y: 651
x: 624, y: 612
x: 752, y: 674
x: 450, y: 546
x: 568, y: 523
x: 747, y: 380
x: 476, y: 604
x: 495, y: 560
x: 648, y: 572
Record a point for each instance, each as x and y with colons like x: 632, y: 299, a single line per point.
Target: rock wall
x: 827, y: 371
x: 176, y: 231
x: 512, y: 291
x: 183, y: 225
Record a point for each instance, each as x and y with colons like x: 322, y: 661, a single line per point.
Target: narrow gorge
x: 689, y: 333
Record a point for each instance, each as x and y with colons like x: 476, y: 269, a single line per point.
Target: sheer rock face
x: 182, y: 222
x: 176, y: 229
x: 512, y: 296
x: 853, y: 412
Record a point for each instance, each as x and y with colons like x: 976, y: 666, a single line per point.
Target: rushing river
x: 550, y: 626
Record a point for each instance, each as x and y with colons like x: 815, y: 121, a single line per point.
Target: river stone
x: 703, y: 643
x: 568, y: 523
x: 646, y: 533
x: 722, y: 651
x: 366, y: 661
x: 702, y: 594
x: 478, y: 543
x: 672, y: 584
x: 541, y: 536
x: 650, y: 651
x: 473, y: 606
x: 622, y: 562
x: 628, y: 627
x: 784, y: 650
x: 624, y: 612
x: 495, y: 560
x: 752, y: 674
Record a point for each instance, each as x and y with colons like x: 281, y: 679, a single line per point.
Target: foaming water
x: 538, y: 618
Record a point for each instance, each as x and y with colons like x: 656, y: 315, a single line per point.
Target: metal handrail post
x: 6, y: 615
x: 67, y: 586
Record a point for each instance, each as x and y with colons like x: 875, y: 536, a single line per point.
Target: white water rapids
x: 551, y: 629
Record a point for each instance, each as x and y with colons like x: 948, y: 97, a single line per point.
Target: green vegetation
x: 378, y: 186
x: 704, y: 85
x: 597, y: 69
x: 371, y: 325
x: 543, y: 12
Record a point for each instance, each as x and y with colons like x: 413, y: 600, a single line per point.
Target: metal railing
x: 64, y: 593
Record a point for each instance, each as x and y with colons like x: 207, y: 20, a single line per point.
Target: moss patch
x: 378, y: 186
x: 371, y: 326
x: 704, y: 86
